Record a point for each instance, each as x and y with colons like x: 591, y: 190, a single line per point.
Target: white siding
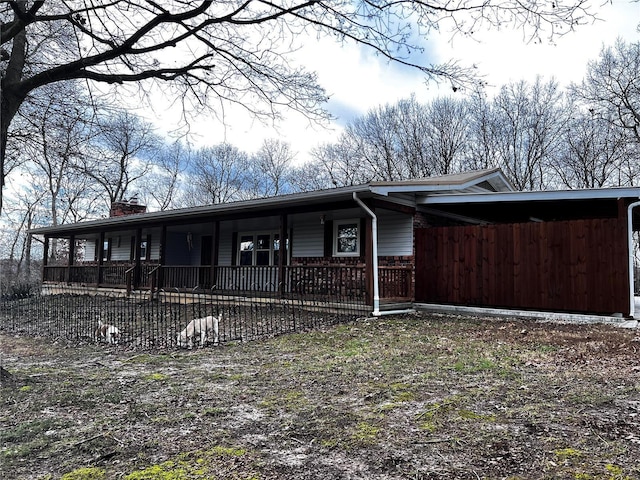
x: 89, y: 251
x: 155, y: 246
x: 226, y: 241
x: 395, y: 234
x: 123, y: 252
x: 308, y: 237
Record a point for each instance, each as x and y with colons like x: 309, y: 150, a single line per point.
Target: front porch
x: 396, y: 284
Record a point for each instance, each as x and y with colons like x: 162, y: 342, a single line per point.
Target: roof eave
x: 495, y: 177
x: 585, y: 194
x: 271, y: 203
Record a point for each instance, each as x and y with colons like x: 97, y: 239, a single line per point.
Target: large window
x: 259, y: 249
x: 346, y: 238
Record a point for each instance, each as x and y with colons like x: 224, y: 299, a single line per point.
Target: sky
x: 358, y: 81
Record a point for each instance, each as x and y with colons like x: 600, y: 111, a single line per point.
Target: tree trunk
x: 10, y: 97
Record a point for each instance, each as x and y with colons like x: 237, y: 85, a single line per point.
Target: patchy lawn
x: 414, y: 397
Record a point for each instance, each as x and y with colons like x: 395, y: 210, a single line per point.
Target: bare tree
x: 218, y: 174
x: 311, y: 176
x: 410, y: 128
x: 593, y: 153
x: 122, y: 152
x: 612, y: 83
x: 271, y: 168
x: 23, y: 212
x: 162, y: 184
x: 529, y: 122
x: 397, y: 142
x: 233, y: 51
x: 59, y: 124
x: 611, y: 91
x: 446, y: 133
x: 374, y: 137
x: 339, y: 163
x: 480, y: 152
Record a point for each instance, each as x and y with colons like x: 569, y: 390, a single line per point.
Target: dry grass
x: 415, y: 397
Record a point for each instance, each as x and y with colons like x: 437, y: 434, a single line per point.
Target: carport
x: 565, y: 251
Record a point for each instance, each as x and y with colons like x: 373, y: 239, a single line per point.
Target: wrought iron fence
x: 142, y: 321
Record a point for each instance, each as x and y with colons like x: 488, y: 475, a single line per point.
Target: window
x: 246, y: 250
x: 106, y: 250
x: 347, y: 238
x: 259, y: 249
x: 143, y: 250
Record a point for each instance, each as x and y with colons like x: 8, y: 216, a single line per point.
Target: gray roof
x: 401, y: 189
x: 476, y: 186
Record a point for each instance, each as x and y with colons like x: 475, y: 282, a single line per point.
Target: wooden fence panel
x: 574, y: 266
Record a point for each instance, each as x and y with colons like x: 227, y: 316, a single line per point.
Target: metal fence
x: 140, y: 322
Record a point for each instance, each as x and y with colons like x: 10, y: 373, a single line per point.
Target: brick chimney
x: 126, y: 207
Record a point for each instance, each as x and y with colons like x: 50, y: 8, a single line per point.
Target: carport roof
x: 548, y: 205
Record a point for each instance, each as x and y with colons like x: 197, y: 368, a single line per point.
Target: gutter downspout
x: 374, y: 232
x: 630, y: 243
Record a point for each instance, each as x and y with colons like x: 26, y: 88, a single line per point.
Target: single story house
x: 461, y: 239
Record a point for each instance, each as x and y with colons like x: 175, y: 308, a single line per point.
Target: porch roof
x: 402, y: 191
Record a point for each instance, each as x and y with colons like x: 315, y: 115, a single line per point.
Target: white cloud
x: 504, y: 56
x: 357, y: 81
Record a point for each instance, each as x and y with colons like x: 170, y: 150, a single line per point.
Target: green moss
x: 615, y: 472
x: 228, y: 451
x: 474, y: 365
x: 469, y: 415
x: 156, y: 377
x: 365, y: 432
x: 85, y: 473
x: 582, y: 476
x: 289, y: 400
x: 202, y: 464
x: 402, y: 392
x: 567, y: 453
x: 165, y: 471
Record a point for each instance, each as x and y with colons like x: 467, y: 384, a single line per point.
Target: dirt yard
x: 414, y: 397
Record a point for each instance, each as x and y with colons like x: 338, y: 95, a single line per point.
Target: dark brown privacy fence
x: 144, y: 323
x: 578, y: 266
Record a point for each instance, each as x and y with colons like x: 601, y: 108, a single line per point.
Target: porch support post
x: 162, y: 256
x: 632, y: 313
x: 72, y: 254
x: 215, y: 247
x: 45, y: 257
x: 282, y: 255
x: 100, y: 258
x: 137, y: 259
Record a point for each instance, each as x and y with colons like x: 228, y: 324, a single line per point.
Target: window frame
x: 336, y: 228
x: 144, y: 250
x: 273, y: 235
x: 106, y: 249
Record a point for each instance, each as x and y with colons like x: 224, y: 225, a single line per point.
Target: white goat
x: 200, y: 326
x: 107, y: 333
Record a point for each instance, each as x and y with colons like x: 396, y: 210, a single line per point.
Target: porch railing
x: 348, y: 281
x: 396, y: 283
